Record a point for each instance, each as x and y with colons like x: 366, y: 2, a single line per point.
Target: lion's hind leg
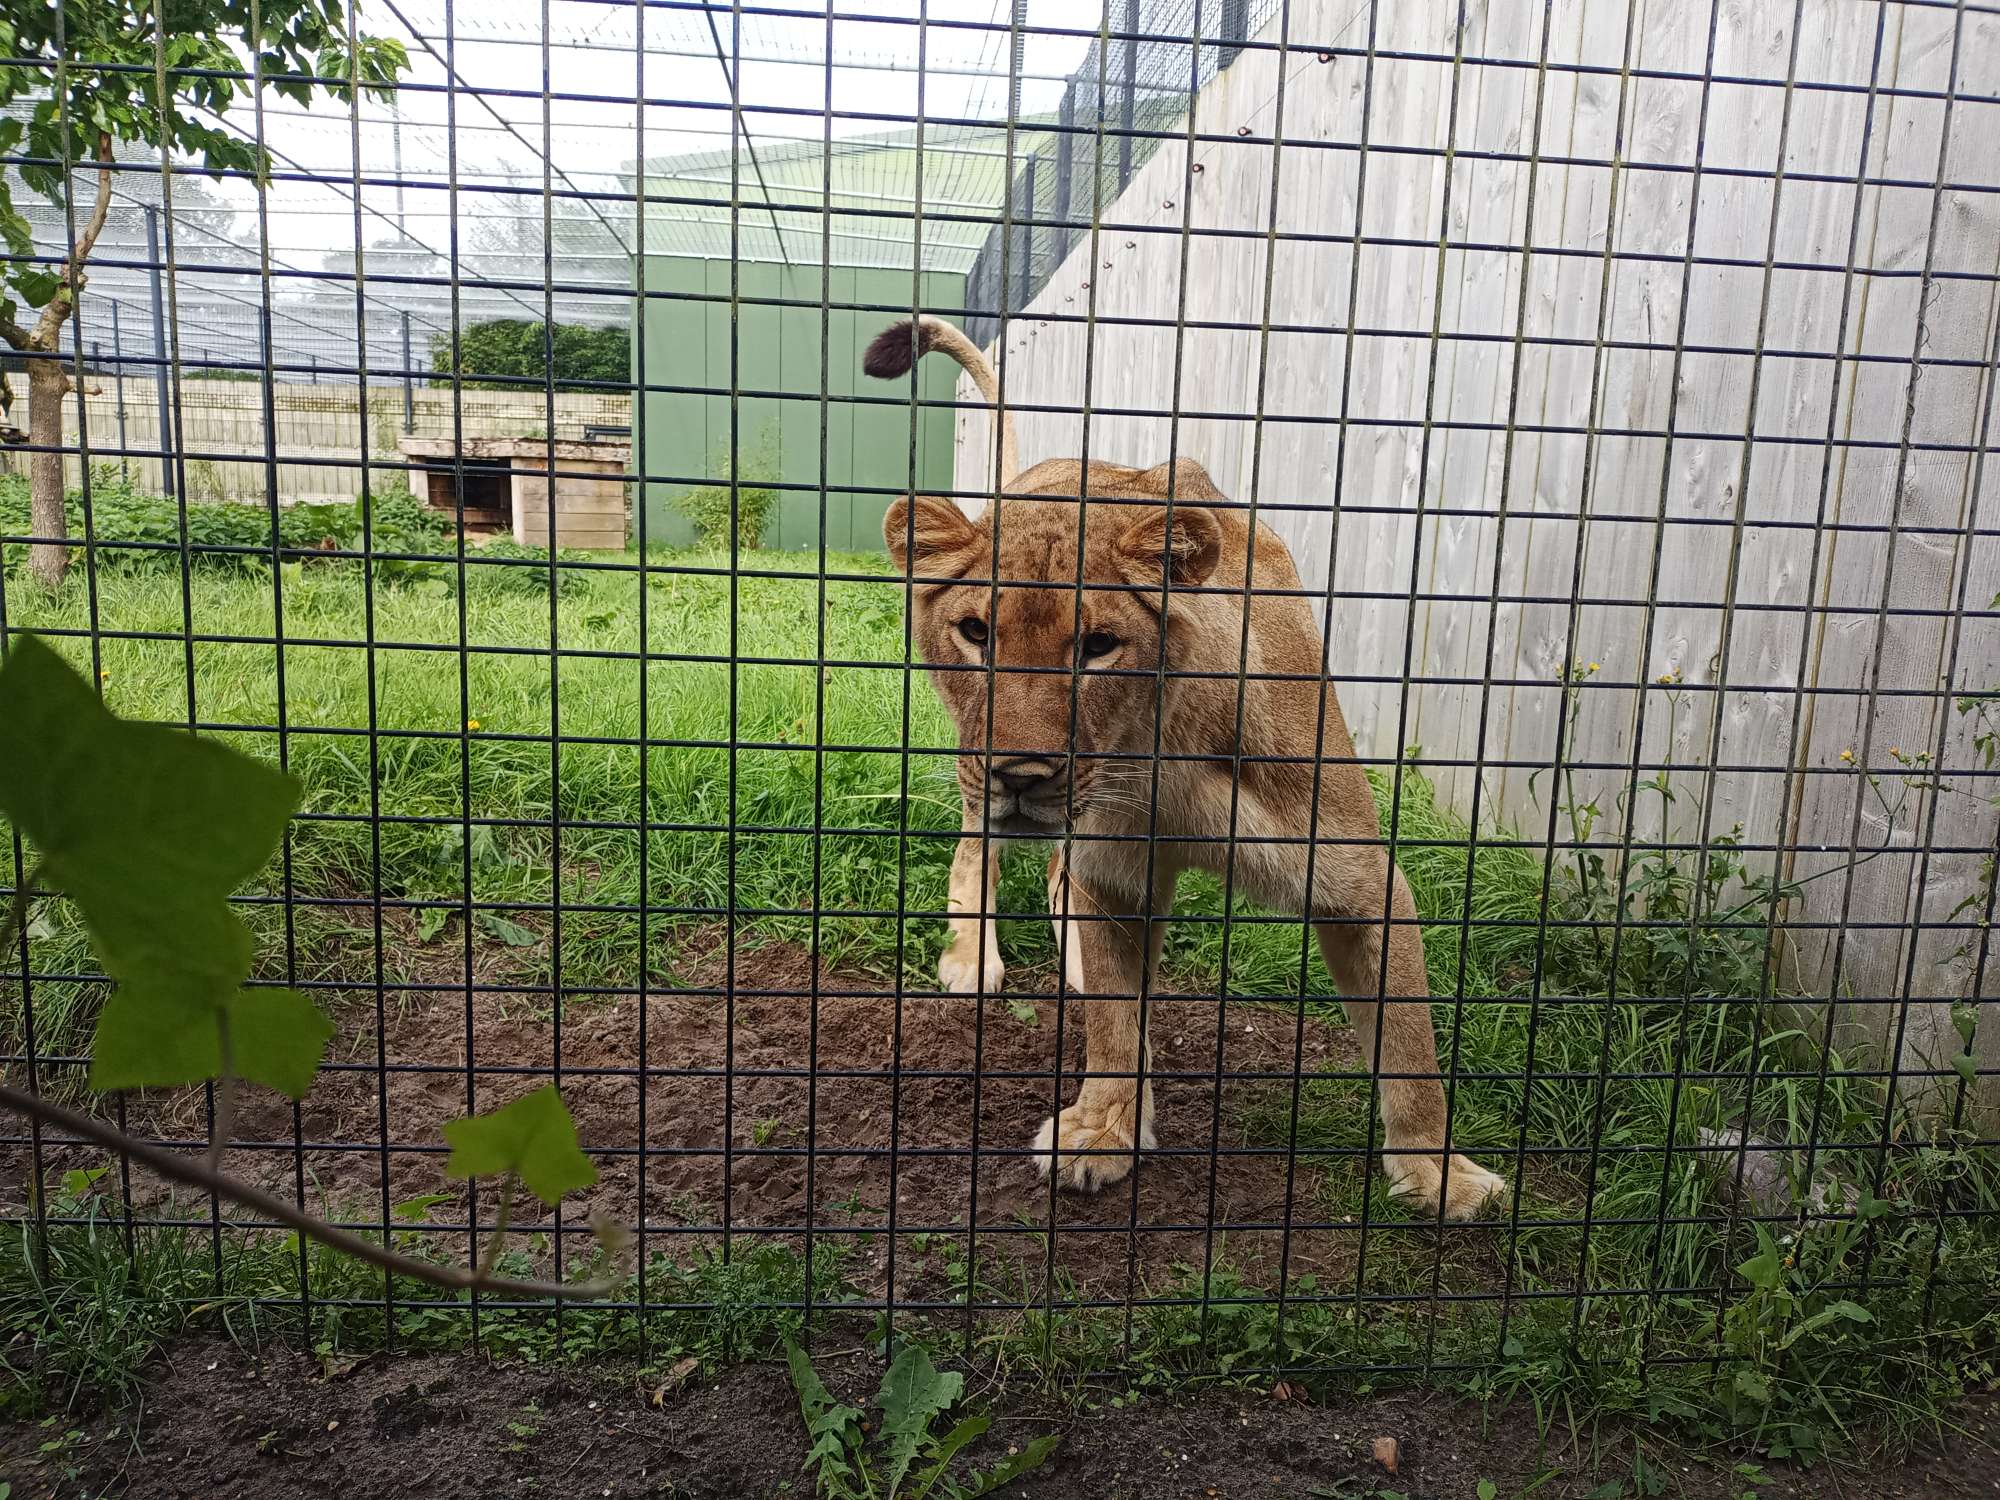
x: 1392, y: 1022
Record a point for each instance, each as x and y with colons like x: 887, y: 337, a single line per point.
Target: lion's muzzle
x: 1027, y: 795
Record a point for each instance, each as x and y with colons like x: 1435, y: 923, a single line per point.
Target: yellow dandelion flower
x: 1895, y: 753
x: 103, y: 676
x: 1593, y: 666
x: 1848, y: 756
x: 471, y: 723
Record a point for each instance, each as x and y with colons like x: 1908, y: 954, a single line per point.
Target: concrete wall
x: 770, y: 356
x: 317, y: 440
x: 1422, y: 476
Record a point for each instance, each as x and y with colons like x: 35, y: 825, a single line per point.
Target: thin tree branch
x: 194, y: 1172
x: 60, y: 305
x: 87, y: 241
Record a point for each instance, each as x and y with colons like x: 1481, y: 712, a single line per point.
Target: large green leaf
x: 148, y: 829
x: 913, y: 1393
x: 143, y: 1039
x: 277, y: 1037
x: 534, y: 1137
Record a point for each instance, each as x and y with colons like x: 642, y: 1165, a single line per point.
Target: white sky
x: 489, y: 129
x: 593, y: 49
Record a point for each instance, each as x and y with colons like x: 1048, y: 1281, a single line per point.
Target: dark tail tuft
x: 894, y: 350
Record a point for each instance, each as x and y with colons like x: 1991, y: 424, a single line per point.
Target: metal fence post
x: 160, y: 352
x: 1067, y: 118
x: 118, y: 383
x: 409, y: 388
x: 1125, y: 104
x: 1235, y: 28
x: 1025, y: 286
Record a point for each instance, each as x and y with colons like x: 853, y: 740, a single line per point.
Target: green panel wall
x: 679, y: 436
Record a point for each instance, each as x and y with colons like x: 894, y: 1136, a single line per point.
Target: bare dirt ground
x: 218, y: 1423
x: 737, y: 1082
x: 744, y: 1072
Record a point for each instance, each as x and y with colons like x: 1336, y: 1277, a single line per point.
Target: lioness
x: 1088, y: 736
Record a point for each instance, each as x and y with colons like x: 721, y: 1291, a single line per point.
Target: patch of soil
x: 221, y: 1424
x: 763, y: 1110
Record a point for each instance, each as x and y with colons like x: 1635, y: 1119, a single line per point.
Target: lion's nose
x: 1027, y: 775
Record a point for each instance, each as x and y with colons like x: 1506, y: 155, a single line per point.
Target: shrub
x: 137, y: 532
x: 504, y: 352
x: 707, y: 507
x: 514, y: 579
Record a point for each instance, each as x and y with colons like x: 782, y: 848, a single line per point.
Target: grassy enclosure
x: 1627, y: 1272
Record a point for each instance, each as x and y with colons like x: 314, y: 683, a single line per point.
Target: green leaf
x: 277, y: 1037
x: 913, y: 1392
x: 944, y: 1450
x: 78, y: 1180
x: 1967, y: 1067
x: 1763, y: 1271
x: 1843, y: 1311
x: 1488, y: 1490
x: 415, y: 1210
x: 36, y: 287
x: 814, y: 1398
x: 835, y: 1429
x: 148, y: 829
x: 534, y: 1137
x: 513, y: 934
x: 152, y: 1035
x: 1032, y: 1456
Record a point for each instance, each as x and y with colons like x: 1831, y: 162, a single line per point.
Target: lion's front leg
x: 1111, y: 955
x: 971, y: 963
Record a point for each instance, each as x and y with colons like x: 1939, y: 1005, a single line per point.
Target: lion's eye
x: 973, y: 629
x: 1099, y: 643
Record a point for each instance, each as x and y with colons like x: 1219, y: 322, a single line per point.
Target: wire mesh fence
x: 1528, y: 568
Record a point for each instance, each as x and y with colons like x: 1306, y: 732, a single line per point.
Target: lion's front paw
x: 961, y: 973
x: 1422, y: 1182
x: 1095, y: 1143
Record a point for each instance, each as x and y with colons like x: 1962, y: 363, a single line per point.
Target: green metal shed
x: 770, y: 355
x: 709, y: 210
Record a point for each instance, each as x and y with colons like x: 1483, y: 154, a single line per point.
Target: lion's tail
x: 899, y: 346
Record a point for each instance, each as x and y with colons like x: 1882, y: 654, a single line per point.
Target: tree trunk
x: 48, y: 561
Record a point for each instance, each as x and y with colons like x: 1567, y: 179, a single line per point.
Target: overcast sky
x: 593, y: 49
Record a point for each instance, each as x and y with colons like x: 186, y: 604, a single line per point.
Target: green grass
x: 1673, y: 1067
x: 422, y: 762
x: 84, y: 1310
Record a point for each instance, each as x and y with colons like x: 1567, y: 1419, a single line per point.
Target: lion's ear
x: 924, y: 533
x: 1186, y: 546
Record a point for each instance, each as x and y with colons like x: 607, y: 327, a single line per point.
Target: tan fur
x: 1106, y: 786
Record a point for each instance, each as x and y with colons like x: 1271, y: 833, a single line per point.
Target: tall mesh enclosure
x: 1490, y: 657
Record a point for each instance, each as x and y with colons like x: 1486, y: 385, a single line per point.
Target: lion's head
x: 1052, y: 684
